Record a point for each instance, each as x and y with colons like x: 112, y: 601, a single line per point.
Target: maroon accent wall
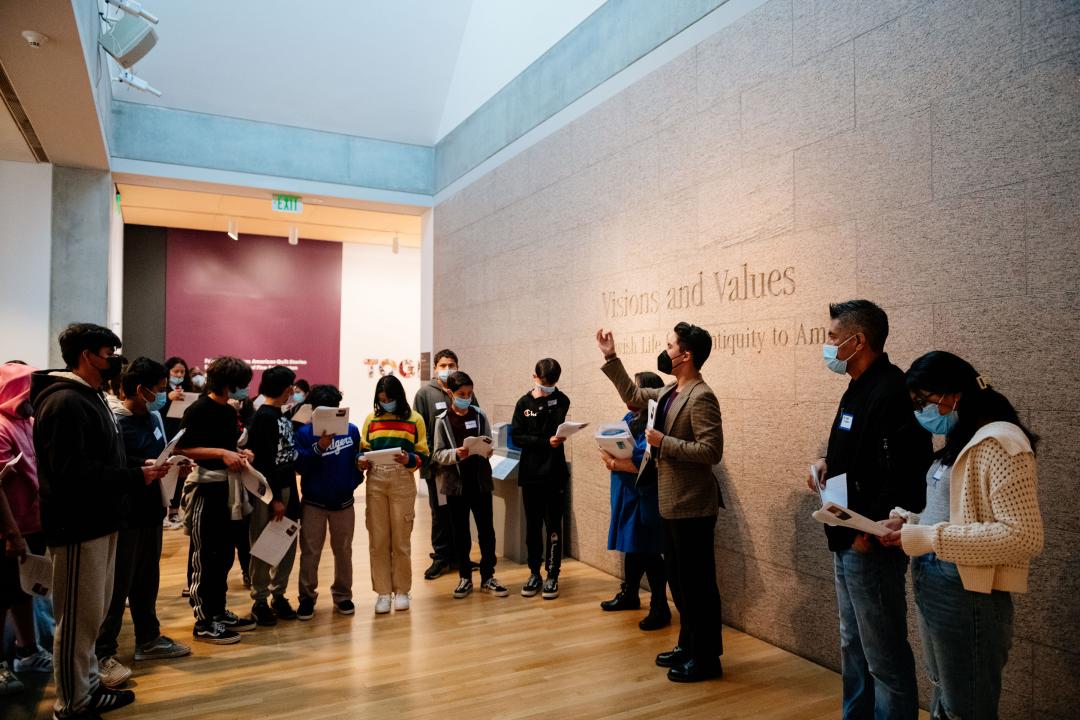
x: 258, y: 298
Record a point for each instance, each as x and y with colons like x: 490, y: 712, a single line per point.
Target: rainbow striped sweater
x: 385, y: 431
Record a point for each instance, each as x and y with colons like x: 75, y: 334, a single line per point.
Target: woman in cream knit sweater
x: 972, y: 543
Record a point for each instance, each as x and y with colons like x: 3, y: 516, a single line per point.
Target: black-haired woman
x: 972, y: 543
x: 179, y: 385
x: 391, y: 491
x: 636, y: 528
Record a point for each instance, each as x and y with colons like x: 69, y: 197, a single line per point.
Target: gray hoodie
x: 431, y: 401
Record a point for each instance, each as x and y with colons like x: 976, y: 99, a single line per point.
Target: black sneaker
x: 531, y: 586
x: 234, y: 623
x: 493, y: 586
x: 437, y: 568
x: 464, y: 587
x: 214, y: 632
x: 551, y: 587
x: 263, y: 615
x: 282, y: 608
x: 306, y: 609
x: 81, y: 715
x: 656, y: 619
x: 103, y: 699
x: 625, y: 599
x: 345, y: 607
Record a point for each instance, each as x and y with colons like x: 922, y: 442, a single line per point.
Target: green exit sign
x: 288, y: 204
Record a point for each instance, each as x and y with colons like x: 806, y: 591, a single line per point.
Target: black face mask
x: 664, y: 363
x: 112, y: 369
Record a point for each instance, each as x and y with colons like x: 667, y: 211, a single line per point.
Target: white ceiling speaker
x: 34, y: 39
x: 129, y: 39
x: 133, y: 7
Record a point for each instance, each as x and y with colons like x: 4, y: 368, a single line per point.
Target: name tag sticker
x: 470, y: 424
x: 845, y: 421
x: 940, y: 472
x: 157, y: 433
x: 552, y: 403
x: 440, y: 406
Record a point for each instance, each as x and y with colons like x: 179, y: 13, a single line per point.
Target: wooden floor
x: 488, y: 657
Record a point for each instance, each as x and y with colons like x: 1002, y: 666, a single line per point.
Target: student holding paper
x: 542, y: 475
x: 329, y: 475
x: 972, y: 544
x: 270, y: 437
x: 180, y: 388
x: 878, y: 449
x: 391, y: 491
x: 20, y: 522
x: 84, y: 478
x: 136, y: 571
x: 465, y: 481
x: 636, y: 528
x: 214, y: 497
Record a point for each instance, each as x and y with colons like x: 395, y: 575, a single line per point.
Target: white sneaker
x: 382, y: 605
x: 401, y: 602
x: 40, y: 661
x: 112, y: 672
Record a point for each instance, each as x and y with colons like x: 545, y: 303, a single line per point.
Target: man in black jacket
x: 84, y: 479
x: 880, y: 452
x: 542, y: 475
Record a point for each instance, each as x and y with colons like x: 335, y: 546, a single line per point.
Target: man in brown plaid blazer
x: 685, y: 442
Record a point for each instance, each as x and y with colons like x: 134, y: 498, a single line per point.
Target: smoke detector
x: 34, y: 39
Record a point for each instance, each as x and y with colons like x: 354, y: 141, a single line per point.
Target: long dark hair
x: 394, y: 390
x: 172, y: 362
x: 643, y: 380
x: 941, y: 372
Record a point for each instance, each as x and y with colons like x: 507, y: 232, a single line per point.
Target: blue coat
x: 635, y: 513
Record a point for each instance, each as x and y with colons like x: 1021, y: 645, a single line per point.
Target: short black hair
x: 458, y: 380
x: 865, y: 317
x: 77, y: 337
x: 227, y: 372
x: 142, y: 371
x: 445, y: 352
x: 548, y: 369
x: 276, y: 380
x: 394, y: 390
x: 696, y: 340
x: 114, y: 381
x: 648, y: 379
x: 303, y: 385
x: 324, y: 396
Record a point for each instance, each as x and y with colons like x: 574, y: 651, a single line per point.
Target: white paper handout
x: 35, y: 574
x: 177, y: 408
x: 569, y: 428
x: 275, y: 540
x: 834, y: 490
x: 303, y: 414
x: 163, y: 457
x: 9, y: 466
x: 382, y: 457
x: 650, y: 423
x: 168, y: 483
x: 256, y: 484
x: 616, y: 440
x: 480, y: 445
x: 833, y: 514
x: 334, y: 421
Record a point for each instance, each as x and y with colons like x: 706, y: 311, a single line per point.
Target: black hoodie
x: 81, y: 463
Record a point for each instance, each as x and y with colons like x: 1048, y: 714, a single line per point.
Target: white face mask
x: 830, y: 352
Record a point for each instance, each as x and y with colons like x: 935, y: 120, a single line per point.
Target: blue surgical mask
x: 831, y: 361
x: 298, y: 397
x: 462, y: 403
x: 158, y: 402
x: 547, y: 390
x: 389, y: 407
x: 932, y: 419
x: 198, y: 381
x: 241, y: 394
x: 443, y: 375
x: 176, y: 381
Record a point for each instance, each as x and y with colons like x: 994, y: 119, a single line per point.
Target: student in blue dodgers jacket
x: 329, y: 476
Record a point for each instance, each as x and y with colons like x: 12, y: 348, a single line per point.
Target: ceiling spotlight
x: 34, y: 39
x: 232, y: 230
x: 294, y: 235
x: 131, y: 7
x: 396, y: 244
x: 129, y: 78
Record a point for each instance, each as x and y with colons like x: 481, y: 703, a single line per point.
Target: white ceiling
x: 401, y: 70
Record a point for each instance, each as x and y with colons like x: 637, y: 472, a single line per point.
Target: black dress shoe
x: 623, y: 600
x: 672, y: 658
x: 696, y: 671
x: 437, y: 568
x: 656, y: 619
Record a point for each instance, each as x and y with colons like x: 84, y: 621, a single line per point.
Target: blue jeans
x: 966, y: 639
x: 877, y: 664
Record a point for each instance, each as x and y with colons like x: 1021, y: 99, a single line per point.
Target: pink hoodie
x: 17, y: 435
